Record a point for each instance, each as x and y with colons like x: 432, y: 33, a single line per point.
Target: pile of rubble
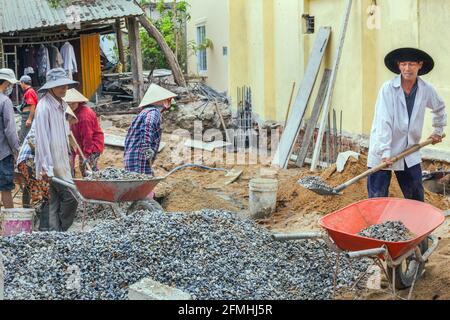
x: 208, y: 254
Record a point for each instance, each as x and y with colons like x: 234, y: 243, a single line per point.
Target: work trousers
x: 23, y: 127
x: 63, y: 208
x: 410, y: 181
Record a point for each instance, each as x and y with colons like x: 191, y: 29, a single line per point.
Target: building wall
x: 215, y: 16
x: 269, y: 51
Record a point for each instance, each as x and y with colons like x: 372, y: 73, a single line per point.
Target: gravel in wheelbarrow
x: 392, y: 231
x: 114, y: 174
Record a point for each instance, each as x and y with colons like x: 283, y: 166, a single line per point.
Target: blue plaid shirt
x: 143, y: 135
x: 25, y: 152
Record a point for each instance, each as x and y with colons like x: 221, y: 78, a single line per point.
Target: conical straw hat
x: 73, y: 95
x: 70, y: 112
x: 154, y: 94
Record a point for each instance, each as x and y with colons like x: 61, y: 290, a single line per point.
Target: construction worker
x: 87, y: 131
x: 398, y: 123
x: 28, y: 106
x: 144, y: 136
x: 52, y: 148
x: 35, y: 191
x: 9, y: 141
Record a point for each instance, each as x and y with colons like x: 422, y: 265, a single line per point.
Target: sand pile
x: 187, y: 196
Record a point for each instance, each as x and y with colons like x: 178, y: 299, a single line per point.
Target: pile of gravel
x: 208, y: 254
x: 113, y: 174
x: 392, y: 231
x: 98, y: 212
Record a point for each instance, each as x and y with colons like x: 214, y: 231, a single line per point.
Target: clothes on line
x: 36, y: 61
x: 70, y: 61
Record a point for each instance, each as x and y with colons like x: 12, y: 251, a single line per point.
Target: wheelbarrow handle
x: 365, y: 253
x: 297, y: 236
x: 384, y: 165
x: 65, y: 183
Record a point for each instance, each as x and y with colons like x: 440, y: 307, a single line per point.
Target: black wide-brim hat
x: 409, y: 54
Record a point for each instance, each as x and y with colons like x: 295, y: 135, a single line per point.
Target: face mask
x: 9, y: 90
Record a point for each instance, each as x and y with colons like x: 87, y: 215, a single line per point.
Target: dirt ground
x: 297, y: 208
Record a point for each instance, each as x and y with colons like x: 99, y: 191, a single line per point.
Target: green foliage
x: 196, y: 47
x: 171, y: 25
x: 59, y: 3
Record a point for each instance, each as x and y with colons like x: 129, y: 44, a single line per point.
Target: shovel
x: 318, y: 186
x: 74, y: 141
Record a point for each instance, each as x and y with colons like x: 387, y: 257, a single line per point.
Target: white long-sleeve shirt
x: 52, y: 142
x: 393, y: 132
x: 70, y: 60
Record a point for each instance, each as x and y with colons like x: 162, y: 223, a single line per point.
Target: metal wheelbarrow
x: 112, y: 193
x: 405, y: 261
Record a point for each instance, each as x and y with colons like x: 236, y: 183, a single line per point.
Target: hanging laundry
x: 43, y: 61
x: 28, y: 71
x: 70, y: 61
x: 29, y: 59
x: 56, y: 59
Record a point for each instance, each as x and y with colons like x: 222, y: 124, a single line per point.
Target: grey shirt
x: 9, y: 140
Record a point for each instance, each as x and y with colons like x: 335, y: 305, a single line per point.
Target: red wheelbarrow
x: 405, y: 261
x: 112, y: 193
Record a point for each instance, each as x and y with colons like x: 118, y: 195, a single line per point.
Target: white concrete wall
x: 214, y: 14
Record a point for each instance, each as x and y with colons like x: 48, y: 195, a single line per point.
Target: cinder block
x: 148, y: 289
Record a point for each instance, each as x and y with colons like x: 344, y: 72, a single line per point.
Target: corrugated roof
x: 19, y: 15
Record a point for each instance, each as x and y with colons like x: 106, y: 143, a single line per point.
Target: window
x: 201, y: 37
x: 309, y: 23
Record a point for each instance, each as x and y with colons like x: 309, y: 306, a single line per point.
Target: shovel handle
x: 88, y: 166
x: 384, y: 165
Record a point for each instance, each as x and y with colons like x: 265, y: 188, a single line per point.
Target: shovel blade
x: 229, y: 178
x: 317, y: 185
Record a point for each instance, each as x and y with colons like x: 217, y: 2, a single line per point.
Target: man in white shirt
x: 52, y: 148
x: 398, y: 123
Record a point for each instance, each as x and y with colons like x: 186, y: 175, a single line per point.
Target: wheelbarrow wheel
x: 146, y: 205
x: 405, y: 273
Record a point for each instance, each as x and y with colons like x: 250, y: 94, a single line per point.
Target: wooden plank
x: 292, y: 129
x: 119, y: 142
x: 309, y: 133
x: 196, y: 144
x: 335, y: 144
x: 137, y: 68
x: 290, y: 104
x: 120, y: 45
x: 330, y: 91
x: 327, y: 138
x: 323, y: 165
x: 222, y: 121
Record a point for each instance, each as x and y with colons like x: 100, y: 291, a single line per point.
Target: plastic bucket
x: 262, y: 197
x: 16, y: 221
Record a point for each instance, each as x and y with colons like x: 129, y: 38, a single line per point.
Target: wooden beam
x: 120, y: 45
x: 330, y: 91
x: 292, y: 129
x: 309, y: 132
x: 137, y: 68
